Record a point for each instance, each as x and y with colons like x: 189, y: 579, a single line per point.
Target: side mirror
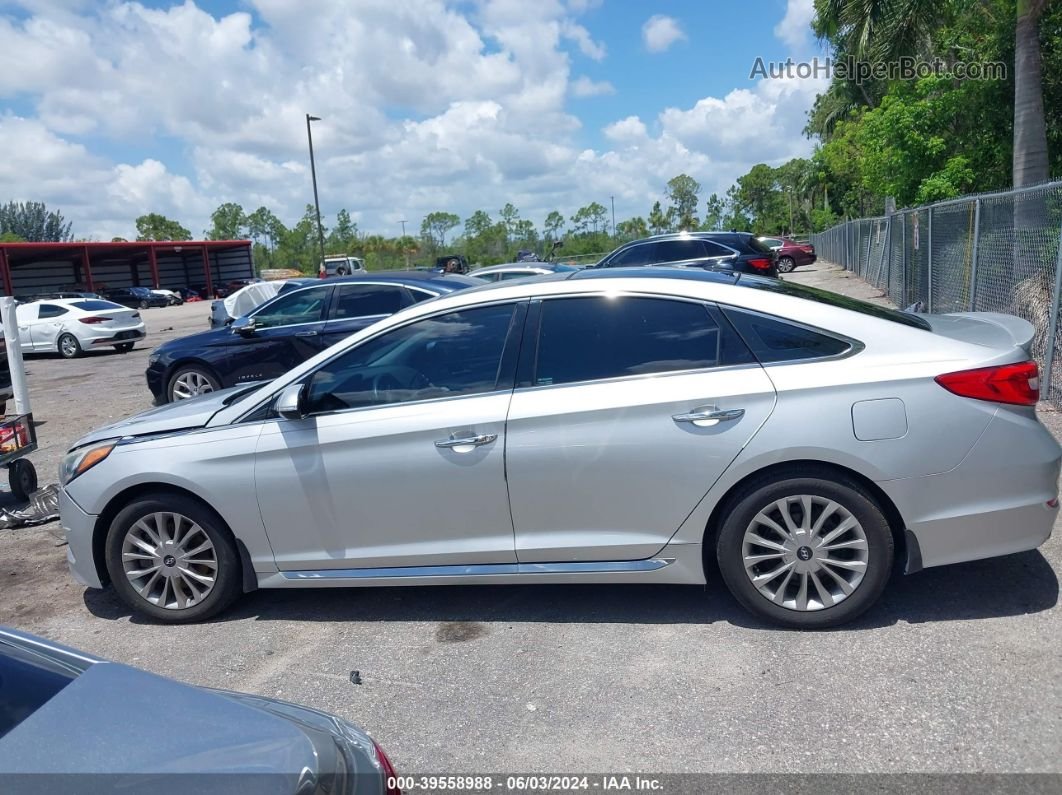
x: 290, y: 403
x: 244, y: 326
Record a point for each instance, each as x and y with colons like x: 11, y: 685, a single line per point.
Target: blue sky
x: 112, y: 109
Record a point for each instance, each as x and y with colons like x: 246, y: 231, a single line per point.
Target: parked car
x: 519, y: 270
x: 173, y: 298
x: 739, y: 252
x: 55, y: 294
x: 70, y: 326
x: 216, y: 740
x: 138, y: 297
x: 642, y: 425
x: 343, y: 265
x: 286, y: 331
x: 790, y: 253
x: 188, y: 294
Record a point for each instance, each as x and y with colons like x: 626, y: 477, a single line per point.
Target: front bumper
x: 155, y: 377
x: 79, y: 528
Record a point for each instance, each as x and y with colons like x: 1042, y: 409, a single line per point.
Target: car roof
x: 64, y: 301
x: 442, y: 282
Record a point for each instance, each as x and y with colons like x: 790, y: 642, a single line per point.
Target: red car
x: 790, y: 253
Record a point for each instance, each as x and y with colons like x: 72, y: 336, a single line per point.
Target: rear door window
x: 304, y: 306
x: 51, y: 310
x: 364, y: 300
x: 598, y: 337
x: 678, y: 250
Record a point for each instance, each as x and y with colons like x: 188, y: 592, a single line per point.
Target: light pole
x: 313, y: 173
x: 403, y: 228
x: 613, y: 198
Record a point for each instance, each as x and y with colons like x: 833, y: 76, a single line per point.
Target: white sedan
x: 71, y: 326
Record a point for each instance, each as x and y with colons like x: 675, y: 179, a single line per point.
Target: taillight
x: 1018, y: 384
x: 390, y: 776
x: 94, y: 320
x: 760, y: 264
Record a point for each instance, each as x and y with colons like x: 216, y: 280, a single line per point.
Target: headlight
x: 82, y: 460
x: 154, y: 357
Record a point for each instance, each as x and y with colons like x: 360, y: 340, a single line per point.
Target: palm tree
x: 1030, y: 164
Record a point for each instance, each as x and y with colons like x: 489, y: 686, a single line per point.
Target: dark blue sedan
x: 288, y: 330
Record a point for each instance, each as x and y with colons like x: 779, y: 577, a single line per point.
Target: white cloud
x: 425, y: 105
x: 583, y: 86
x: 796, y: 24
x: 660, y: 32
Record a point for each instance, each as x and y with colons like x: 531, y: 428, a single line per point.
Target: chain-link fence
x: 997, y: 252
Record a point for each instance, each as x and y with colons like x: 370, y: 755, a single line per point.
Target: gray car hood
x: 116, y: 720
x: 178, y: 416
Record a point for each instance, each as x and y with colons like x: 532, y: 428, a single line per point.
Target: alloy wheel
x: 191, y: 383
x: 169, y: 560
x: 805, y: 552
x: 68, y: 346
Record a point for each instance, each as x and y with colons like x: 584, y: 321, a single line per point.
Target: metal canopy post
x: 5, y: 270
x: 209, y: 275
x: 153, y: 262
x: 86, y: 269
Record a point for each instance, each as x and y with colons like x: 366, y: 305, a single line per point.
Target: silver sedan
x: 638, y: 426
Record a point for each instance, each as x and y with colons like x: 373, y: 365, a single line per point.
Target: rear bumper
x: 995, y: 502
x: 117, y: 338
x: 79, y: 528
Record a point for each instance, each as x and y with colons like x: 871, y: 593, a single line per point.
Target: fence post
x: 973, y: 263
x: 903, y: 261
x: 929, y: 300
x: 1049, y: 359
x: 870, y: 247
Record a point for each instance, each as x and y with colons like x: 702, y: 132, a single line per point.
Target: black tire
x: 786, y: 264
x: 822, y: 484
x: 124, y: 347
x: 68, y: 346
x: 199, y: 370
x: 22, y: 477
x: 228, y: 581
x: 144, y: 304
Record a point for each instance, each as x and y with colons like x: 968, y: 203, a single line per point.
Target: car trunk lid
x: 989, y: 329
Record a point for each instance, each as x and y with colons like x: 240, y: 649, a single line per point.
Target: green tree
x: 33, y: 222
x: 343, y: 236
x: 713, y: 214
x: 229, y: 222
x: 154, y: 226
x: 509, y: 216
x: 554, y: 225
x: 434, y: 228
x: 682, y: 193
x: 658, y: 220
x: 632, y: 229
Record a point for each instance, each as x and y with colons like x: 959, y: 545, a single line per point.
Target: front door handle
x: 306, y: 333
x: 463, y: 444
x: 708, y: 416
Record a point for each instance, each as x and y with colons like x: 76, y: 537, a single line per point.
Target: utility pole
x: 316, y: 201
x: 403, y: 228
x: 613, y: 200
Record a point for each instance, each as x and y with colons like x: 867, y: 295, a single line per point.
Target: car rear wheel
x: 786, y: 264
x: 191, y: 381
x: 171, y: 558
x: 68, y: 346
x: 806, y: 552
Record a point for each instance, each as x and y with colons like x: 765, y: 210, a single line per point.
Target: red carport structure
x: 28, y: 269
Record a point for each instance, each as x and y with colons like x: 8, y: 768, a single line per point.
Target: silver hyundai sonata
x: 613, y: 426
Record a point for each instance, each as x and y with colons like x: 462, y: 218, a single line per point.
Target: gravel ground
x: 954, y: 671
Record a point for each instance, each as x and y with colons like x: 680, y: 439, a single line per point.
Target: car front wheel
x: 172, y: 559
x: 806, y: 552
x: 191, y: 381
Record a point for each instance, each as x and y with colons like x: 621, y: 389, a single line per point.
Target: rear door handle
x: 470, y: 442
x: 708, y: 416
x: 306, y: 333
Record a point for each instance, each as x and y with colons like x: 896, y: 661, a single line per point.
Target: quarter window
x: 587, y: 339
x: 459, y: 353
x: 304, y: 306
x: 775, y: 340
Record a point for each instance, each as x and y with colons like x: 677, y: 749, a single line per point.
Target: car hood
x: 117, y: 720
x: 178, y: 416
x: 202, y: 339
